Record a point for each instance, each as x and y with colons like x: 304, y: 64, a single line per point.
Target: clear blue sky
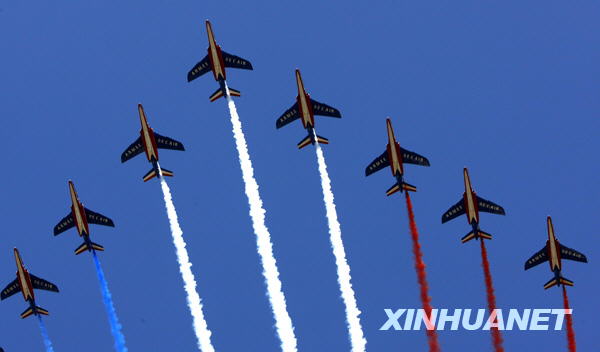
x: 508, y: 89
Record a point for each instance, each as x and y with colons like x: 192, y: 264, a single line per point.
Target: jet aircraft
x: 471, y: 204
x: 26, y: 283
x: 216, y: 60
x: 554, y: 252
x: 149, y: 142
x: 395, y: 157
x: 80, y: 217
x: 306, y: 108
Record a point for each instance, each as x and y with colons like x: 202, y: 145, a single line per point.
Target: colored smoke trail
x: 283, y: 322
x: 357, y: 338
x: 569, y: 317
x: 491, y: 297
x: 115, y: 327
x: 45, y: 336
x: 185, y: 268
x: 422, y: 276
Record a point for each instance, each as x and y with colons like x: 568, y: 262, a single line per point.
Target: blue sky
x: 507, y: 89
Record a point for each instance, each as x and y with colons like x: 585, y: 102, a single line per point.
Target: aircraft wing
x: 379, y: 163
x: 571, y: 254
x: 64, y: 224
x: 10, y: 289
x: 134, y: 149
x: 288, y: 116
x: 201, y: 68
x: 42, y: 284
x: 538, y: 258
x: 413, y: 158
x: 457, y: 209
x: 98, y: 219
x: 324, y: 109
x: 167, y: 143
x: 235, y: 61
x: 489, y: 207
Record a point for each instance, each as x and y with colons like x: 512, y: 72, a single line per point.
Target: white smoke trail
x: 283, y: 322
x: 193, y: 299
x: 357, y: 339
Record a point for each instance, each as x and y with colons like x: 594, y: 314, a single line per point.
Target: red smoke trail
x: 569, y: 317
x: 491, y: 297
x: 420, y: 267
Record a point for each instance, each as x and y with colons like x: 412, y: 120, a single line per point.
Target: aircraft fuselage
x: 304, y: 104
x: 394, y: 154
x: 215, y: 55
x: 24, y: 278
x: 553, y: 250
x: 470, y: 202
x: 147, y: 137
x: 78, y: 212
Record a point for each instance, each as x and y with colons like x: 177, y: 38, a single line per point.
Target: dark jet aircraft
x: 26, y: 283
x: 80, y: 217
x: 216, y: 61
x: 306, y: 108
x: 471, y: 204
x: 150, y: 142
x: 394, y: 156
x: 553, y: 252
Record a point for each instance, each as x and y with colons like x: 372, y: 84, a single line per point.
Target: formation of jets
x: 305, y: 108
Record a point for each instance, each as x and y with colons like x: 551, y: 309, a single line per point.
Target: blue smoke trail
x: 45, y: 336
x: 115, y: 327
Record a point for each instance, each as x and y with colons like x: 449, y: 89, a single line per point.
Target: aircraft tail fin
x: 152, y: 174
x: 480, y: 234
x: 220, y: 93
x: 560, y: 281
x: 310, y: 140
x: 405, y: 186
x: 85, y: 246
x: 31, y: 311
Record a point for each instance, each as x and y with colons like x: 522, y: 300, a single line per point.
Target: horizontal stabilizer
x: 216, y: 95
x: 408, y: 187
x: 88, y: 247
x: 219, y: 93
x: 468, y: 237
x: 152, y: 174
x: 322, y: 140
x: 560, y: 281
x: 309, y: 140
x: 471, y: 235
x: 234, y: 92
x: 306, y: 141
x: 30, y: 311
x: 395, y: 188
